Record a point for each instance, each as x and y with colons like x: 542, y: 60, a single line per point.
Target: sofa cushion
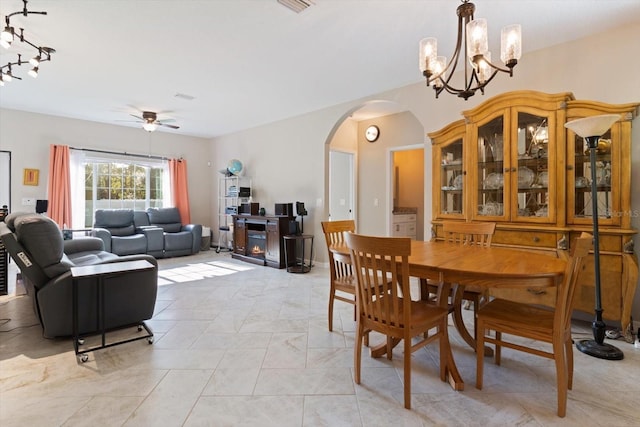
x: 118, y: 221
x: 129, y: 245
x: 140, y: 219
x: 42, y: 238
x: 166, y: 218
x: 91, y: 258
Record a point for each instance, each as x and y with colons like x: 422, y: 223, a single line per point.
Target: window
x: 123, y: 184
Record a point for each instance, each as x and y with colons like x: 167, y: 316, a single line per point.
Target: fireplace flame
x: 256, y: 250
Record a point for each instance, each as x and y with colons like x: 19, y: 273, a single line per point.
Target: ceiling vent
x: 184, y: 96
x: 296, y: 5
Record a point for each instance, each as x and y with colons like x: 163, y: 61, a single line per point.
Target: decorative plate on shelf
x: 457, y: 183
x: 543, y: 179
x: 494, y: 181
x: 525, y: 177
x: 581, y: 182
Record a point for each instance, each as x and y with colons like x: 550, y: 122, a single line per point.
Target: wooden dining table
x: 485, y: 267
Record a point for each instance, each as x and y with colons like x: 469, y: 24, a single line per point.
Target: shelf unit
x: 512, y: 162
x: 232, y: 192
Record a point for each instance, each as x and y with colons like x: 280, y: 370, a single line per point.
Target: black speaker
x: 42, y: 206
x: 249, y: 208
x: 284, y: 209
x: 300, y: 209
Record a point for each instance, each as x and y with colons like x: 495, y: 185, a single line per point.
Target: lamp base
x: 601, y: 351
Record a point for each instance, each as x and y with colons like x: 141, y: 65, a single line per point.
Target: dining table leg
x: 458, y: 321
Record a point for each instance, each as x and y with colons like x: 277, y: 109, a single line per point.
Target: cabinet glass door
x: 533, y: 172
x: 490, y: 176
x: 580, y: 178
x: 452, y: 178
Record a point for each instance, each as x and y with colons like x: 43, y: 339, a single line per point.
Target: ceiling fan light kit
x: 9, y: 36
x: 473, y: 33
x: 150, y: 121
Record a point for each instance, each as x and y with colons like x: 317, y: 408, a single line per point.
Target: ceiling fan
x: 150, y: 121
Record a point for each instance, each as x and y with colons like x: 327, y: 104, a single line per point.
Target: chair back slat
x: 469, y: 233
x: 339, y: 265
x: 382, y: 272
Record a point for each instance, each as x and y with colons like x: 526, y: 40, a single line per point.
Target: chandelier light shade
x: 591, y: 128
x: 8, y: 37
x: 478, y: 68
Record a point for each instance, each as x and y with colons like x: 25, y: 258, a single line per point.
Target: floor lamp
x: 591, y: 128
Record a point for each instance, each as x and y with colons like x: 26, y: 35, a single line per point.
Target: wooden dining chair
x: 477, y: 234
x: 341, y: 273
x: 382, y: 277
x: 548, y: 324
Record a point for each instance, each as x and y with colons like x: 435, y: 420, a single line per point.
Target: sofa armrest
x: 140, y: 257
x: 83, y: 244
x: 155, y: 238
x: 196, y: 231
x: 104, y: 235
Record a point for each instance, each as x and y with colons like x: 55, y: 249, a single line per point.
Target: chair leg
x: 444, y: 345
x: 498, y: 348
x: 357, y: 353
x: 407, y: 372
x: 561, y: 376
x: 479, y: 354
x: 332, y: 294
x: 569, y: 355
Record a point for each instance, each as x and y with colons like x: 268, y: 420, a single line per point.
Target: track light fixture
x: 9, y: 36
x: 473, y: 34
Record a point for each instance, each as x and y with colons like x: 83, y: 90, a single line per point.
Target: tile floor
x: 242, y: 345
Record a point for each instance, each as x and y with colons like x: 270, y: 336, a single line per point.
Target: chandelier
x: 478, y: 68
x: 10, y: 36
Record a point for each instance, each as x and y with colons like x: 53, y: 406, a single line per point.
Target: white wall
x: 29, y: 135
x: 374, y: 174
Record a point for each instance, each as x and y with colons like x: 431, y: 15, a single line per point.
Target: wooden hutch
x: 512, y: 161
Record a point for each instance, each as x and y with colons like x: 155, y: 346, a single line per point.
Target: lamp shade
x: 592, y: 126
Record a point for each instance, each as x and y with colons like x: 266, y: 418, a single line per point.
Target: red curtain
x: 180, y: 188
x: 59, y: 186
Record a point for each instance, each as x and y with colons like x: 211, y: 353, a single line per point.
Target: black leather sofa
x: 35, y: 243
x: 157, y: 231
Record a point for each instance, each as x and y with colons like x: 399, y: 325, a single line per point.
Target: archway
x: 373, y: 175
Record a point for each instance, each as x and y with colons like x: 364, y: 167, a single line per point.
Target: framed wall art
x: 31, y: 176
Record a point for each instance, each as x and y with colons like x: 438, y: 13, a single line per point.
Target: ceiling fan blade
x: 167, y: 125
x: 167, y: 120
x: 137, y: 117
x: 128, y: 121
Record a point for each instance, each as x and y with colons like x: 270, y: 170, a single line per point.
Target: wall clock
x: 372, y: 133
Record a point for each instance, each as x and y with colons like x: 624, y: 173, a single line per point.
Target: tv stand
x: 259, y: 239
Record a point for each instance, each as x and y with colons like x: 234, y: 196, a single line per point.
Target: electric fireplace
x: 256, y: 244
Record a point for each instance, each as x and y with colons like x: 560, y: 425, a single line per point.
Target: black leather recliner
x: 35, y: 243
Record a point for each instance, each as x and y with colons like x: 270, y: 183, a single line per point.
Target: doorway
x: 407, y: 167
x: 341, y: 185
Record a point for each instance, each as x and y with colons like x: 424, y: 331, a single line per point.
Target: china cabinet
x: 511, y: 161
